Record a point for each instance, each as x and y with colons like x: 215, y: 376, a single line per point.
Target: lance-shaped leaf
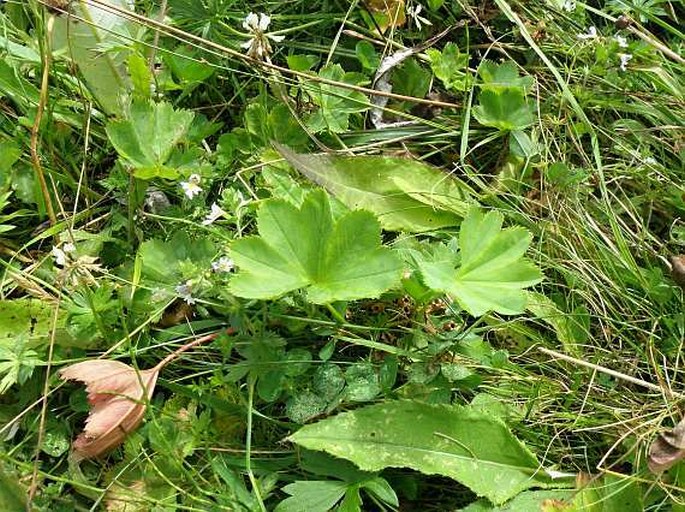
x: 469, y: 446
x: 117, y: 395
x: 305, y: 247
x: 97, y: 39
x: 489, y: 273
x: 406, y: 194
x: 667, y: 449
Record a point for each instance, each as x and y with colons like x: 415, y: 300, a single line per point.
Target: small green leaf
x: 171, y: 261
x: 316, y: 496
x: 141, y: 76
x: 506, y: 109
x: 405, y: 194
x: 476, y: 450
x: 305, y: 248
x: 502, y: 76
x: 146, y: 138
x: 335, y: 103
x: 450, y: 67
x: 186, y: 66
x: 492, y: 272
x: 17, y: 362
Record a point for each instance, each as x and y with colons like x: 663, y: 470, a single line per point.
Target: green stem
x: 336, y: 314
x: 248, y: 445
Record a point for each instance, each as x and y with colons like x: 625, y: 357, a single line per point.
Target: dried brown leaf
x: 668, y: 449
x: 117, y: 394
x: 678, y: 269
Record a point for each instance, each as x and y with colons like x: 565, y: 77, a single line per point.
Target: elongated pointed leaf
x: 97, y: 46
x: 305, y: 248
x: 468, y: 446
x: 405, y: 194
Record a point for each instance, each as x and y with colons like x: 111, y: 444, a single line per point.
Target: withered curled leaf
x: 117, y: 394
x: 667, y: 449
x: 678, y: 269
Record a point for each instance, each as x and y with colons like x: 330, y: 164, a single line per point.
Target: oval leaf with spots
x: 472, y: 448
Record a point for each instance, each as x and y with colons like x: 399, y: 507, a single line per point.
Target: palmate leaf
x: 492, y: 273
x: 146, y: 138
x: 306, y: 248
x: 476, y: 450
x: 336, y: 104
x: 506, y: 109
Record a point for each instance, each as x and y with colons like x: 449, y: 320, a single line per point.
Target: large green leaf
x: 468, y: 446
x: 147, y: 136
x: 491, y: 274
x: 405, y: 194
x: 306, y: 248
x: 98, y: 45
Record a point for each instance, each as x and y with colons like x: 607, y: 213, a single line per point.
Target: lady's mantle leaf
x: 117, y: 394
x: 492, y: 272
x: 468, y: 446
x: 306, y: 248
x: 506, y: 110
x: 147, y: 137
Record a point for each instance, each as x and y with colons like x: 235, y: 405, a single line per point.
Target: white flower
x: 256, y: 23
x: 590, y: 34
x: 650, y: 160
x: 625, y: 58
x: 415, y: 14
x: 60, y: 256
x: 258, y: 45
x: 68, y: 247
x: 223, y: 264
x: 184, y: 291
x: 213, y: 215
x: 569, y: 6
x: 622, y: 41
x: 191, y: 188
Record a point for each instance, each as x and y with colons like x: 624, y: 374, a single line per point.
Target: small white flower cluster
x: 215, y: 213
x: 64, y: 254
x: 625, y: 58
x: 569, y: 5
x: 75, y: 269
x: 184, y: 291
x: 223, y: 265
x: 258, y: 46
x: 414, y: 12
x: 590, y: 34
x: 191, y: 188
x: 622, y: 42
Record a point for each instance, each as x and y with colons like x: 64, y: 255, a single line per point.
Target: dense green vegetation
x: 326, y: 255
